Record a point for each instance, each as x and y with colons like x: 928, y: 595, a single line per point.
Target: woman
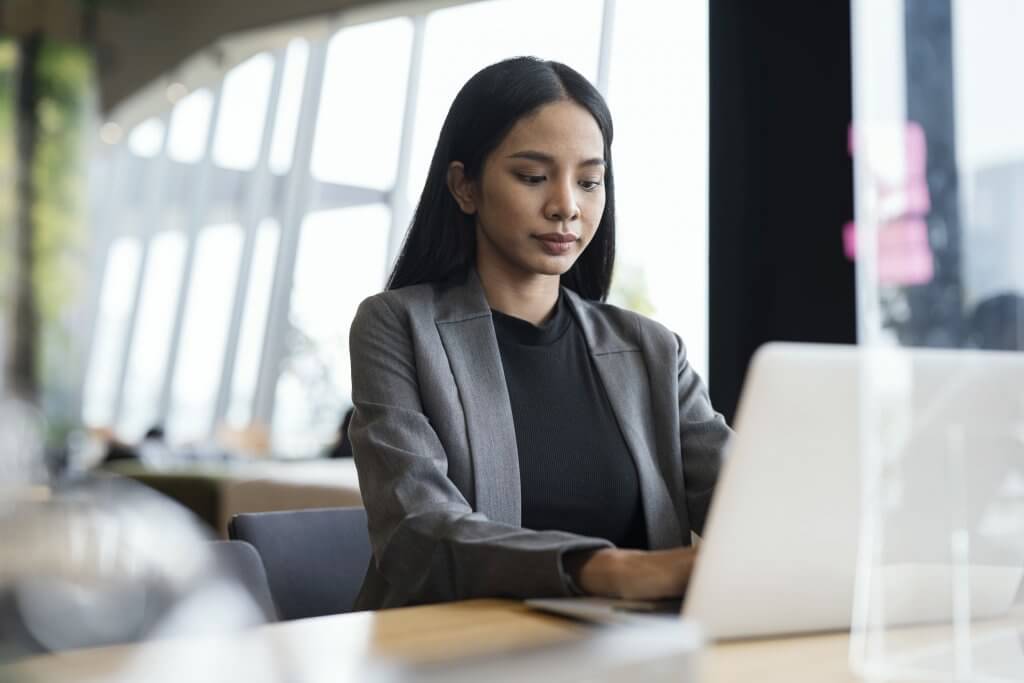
x: 514, y: 435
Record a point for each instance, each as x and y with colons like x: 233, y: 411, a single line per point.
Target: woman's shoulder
x: 625, y: 323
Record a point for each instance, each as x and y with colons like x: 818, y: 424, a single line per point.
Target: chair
x: 315, y: 559
x: 242, y: 561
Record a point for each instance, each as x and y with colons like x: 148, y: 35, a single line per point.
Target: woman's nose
x: 562, y: 204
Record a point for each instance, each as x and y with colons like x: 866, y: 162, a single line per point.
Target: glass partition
x: 938, y: 150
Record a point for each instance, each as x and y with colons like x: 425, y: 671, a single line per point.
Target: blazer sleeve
x: 428, y: 542
x: 703, y: 434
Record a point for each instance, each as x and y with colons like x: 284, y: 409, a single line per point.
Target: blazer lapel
x: 467, y: 333
x: 621, y: 366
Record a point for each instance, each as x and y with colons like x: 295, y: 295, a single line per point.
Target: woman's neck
x: 531, y: 298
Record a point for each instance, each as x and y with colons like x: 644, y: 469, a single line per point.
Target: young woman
x: 514, y: 435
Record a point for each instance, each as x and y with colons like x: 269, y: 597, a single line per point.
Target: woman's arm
x: 428, y: 542
x: 703, y: 434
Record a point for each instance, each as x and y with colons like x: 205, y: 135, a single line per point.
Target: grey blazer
x: 435, y: 445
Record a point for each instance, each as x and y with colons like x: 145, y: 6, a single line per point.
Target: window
x: 115, y: 309
x: 361, y: 109
x: 658, y: 96
x: 146, y: 138
x: 243, y: 112
x: 190, y: 123
x: 204, y: 332
x: 151, y: 340
x: 341, y: 261
x: 254, y: 323
x: 283, y: 140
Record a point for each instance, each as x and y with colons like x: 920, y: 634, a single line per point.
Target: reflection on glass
x: 254, y: 322
x: 190, y: 122
x: 147, y: 137
x: 204, y: 332
x: 658, y: 94
x: 357, y: 130
x: 116, y: 294
x: 147, y: 363
x: 462, y: 40
x: 243, y: 111
x: 283, y: 141
x: 341, y: 260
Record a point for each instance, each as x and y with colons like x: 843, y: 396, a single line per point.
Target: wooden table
x: 355, y: 647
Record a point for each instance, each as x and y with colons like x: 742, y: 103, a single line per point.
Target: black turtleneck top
x: 576, y: 472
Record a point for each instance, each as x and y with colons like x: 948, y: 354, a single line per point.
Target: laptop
x: 781, y: 545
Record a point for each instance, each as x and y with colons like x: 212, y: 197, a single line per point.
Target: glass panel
x: 116, y: 296
x: 939, y: 167
x: 461, y: 40
x: 658, y: 94
x: 254, y: 322
x: 283, y: 143
x: 990, y: 153
x: 341, y: 260
x: 204, y: 332
x: 243, y: 111
x: 161, y: 285
x: 190, y: 122
x: 360, y: 119
x: 147, y: 137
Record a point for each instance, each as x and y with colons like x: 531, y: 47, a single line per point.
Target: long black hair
x: 441, y: 242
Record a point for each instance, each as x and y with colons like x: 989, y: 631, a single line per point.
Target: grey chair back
x: 315, y: 559
x: 242, y: 561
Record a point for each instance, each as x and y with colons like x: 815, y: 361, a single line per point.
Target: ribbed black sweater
x: 576, y: 471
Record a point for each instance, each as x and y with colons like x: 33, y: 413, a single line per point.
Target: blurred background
x: 195, y: 224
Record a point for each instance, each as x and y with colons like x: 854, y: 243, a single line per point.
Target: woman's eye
x: 590, y: 185
x: 531, y: 179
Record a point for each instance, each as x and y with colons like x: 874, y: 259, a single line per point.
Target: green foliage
x: 60, y: 216
x: 65, y: 85
x: 8, y: 60
x: 65, y: 80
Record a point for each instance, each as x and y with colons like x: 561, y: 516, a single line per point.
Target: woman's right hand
x: 633, y: 574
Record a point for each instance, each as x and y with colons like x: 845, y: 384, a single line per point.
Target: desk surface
x: 355, y: 647
x: 337, y: 648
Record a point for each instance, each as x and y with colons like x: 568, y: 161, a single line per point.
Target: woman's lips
x: 557, y: 243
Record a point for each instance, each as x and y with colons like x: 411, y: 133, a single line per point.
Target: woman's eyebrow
x: 533, y: 155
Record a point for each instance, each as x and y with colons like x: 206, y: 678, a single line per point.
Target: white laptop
x: 780, y: 548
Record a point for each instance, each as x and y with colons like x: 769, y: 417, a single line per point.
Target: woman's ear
x: 461, y: 187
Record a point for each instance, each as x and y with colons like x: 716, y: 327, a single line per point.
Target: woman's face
x: 540, y: 196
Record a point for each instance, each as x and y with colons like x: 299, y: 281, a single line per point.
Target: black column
x: 936, y: 308
x: 781, y: 181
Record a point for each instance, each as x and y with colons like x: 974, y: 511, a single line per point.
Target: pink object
x: 904, y: 254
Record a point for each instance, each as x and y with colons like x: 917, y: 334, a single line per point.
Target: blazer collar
x: 466, y: 301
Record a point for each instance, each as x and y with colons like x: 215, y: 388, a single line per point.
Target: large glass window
x: 190, y: 123
x: 152, y: 336
x: 361, y: 109
x: 243, y: 112
x: 146, y: 138
x: 658, y: 96
x: 113, y: 318
x: 254, y: 323
x: 204, y: 332
x: 283, y: 141
x: 341, y: 260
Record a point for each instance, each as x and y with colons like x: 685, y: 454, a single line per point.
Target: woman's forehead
x: 562, y: 128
